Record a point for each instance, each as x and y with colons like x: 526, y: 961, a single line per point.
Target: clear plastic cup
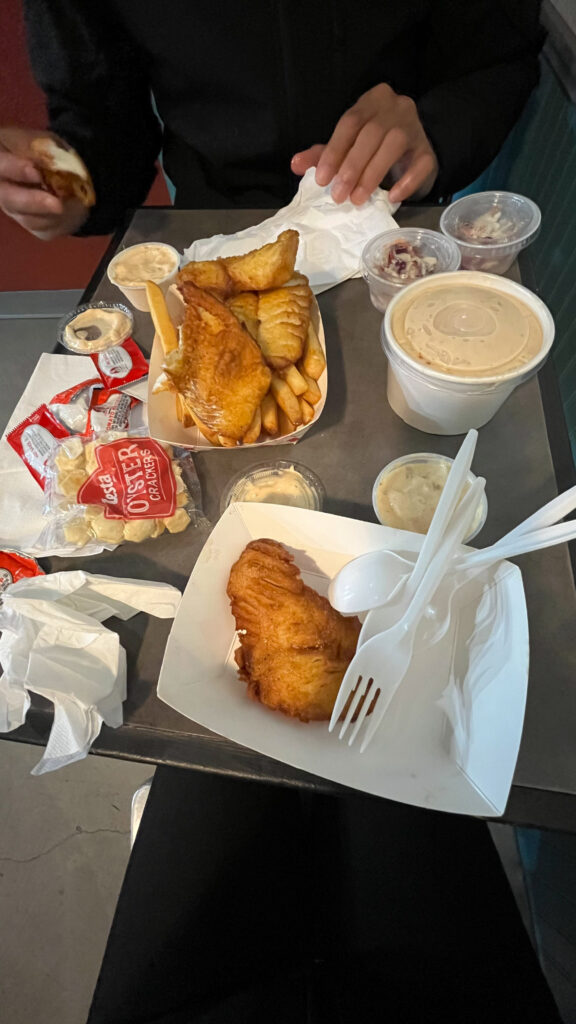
x: 515, y: 226
x: 427, y: 497
x: 280, y: 483
x: 136, y: 293
x: 428, y: 243
x: 441, y: 403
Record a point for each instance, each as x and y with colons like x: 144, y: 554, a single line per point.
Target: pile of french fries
x: 294, y: 389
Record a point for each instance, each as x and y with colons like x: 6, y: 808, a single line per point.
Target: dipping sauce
x: 97, y: 328
x: 408, y: 490
x: 278, y: 483
x: 150, y: 261
x: 467, y: 330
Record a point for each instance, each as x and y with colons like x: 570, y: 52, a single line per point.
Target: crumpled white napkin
x: 332, y: 236
x: 53, y: 643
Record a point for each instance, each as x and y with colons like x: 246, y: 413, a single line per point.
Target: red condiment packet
x: 36, y: 439
x: 134, y: 480
x: 15, y: 565
x: 123, y: 364
x: 72, y: 407
x: 109, y: 410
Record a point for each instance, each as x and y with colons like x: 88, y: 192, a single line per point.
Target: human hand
x: 380, y: 134
x: 22, y: 195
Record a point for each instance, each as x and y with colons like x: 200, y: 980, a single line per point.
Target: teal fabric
x: 539, y: 160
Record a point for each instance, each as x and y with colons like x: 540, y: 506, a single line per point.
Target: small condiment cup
x: 441, y: 403
x: 136, y: 294
x: 427, y: 458
x: 97, y: 344
x: 429, y: 243
x: 266, y: 482
x: 493, y: 257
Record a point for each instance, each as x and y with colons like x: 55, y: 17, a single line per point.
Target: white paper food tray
x: 162, y: 421
x: 417, y: 756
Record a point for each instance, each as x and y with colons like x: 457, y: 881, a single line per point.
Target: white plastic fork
x: 379, y: 666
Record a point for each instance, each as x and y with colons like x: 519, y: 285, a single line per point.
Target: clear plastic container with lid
x: 396, y: 258
x: 95, y: 327
x: 407, y: 491
x: 279, y: 483
x: 491, y: 228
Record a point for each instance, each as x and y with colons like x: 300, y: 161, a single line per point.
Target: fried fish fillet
x: 218, y: 368
x: 295, y: 648
x: 284, y: 315
x: 268, y: 267
x: 245, y: 309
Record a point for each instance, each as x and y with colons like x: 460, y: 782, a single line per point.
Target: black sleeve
x: 481, y: 64
x: 99, y: 100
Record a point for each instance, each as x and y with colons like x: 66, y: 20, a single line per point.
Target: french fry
x: 286, y: 399
x: 312, y: 393
x: 253, y: 432
x: 285, y: 423
x: 269, y: 412
x: 307, y: 411
x: 294, y: 379
x: 313, y: 359
x: 163, y: 325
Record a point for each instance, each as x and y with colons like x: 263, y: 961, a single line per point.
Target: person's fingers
x: 307, y: 158
x: 37, y: 222
x: 18, y: 201
x: 359, y: 155
x: 390, y: 151
x: 418, y: 177
x: 14, y: 168
x: 343, y: 138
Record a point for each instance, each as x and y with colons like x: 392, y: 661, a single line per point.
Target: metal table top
x: 522, y: 452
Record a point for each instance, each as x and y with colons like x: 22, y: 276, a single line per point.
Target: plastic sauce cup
x: 494, y: 257
x: 136, y: 293
x: 440, y: 403
x: 426, y: 459
x: 428, y: 243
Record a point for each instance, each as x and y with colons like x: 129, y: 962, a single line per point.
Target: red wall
x: 25, y: 262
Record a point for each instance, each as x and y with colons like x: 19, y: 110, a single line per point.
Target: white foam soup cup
x: 136, y: 293
x: 437, y: 402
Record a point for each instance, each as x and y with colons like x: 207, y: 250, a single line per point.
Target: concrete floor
x: 64, y: 846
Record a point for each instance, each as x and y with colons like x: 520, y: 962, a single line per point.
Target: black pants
x: 250, y: 904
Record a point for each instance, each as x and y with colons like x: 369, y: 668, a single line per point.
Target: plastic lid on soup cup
x: 520, y: 213
x: 428, y: 458
x: 473, y: 384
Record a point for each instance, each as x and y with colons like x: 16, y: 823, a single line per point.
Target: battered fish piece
x: 284, y: 315
x: 218, y: 368
x: 245, y: 309
x: 268, y: 267
x: 295, y: 648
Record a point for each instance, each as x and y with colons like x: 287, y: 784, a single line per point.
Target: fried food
x: 286, y: 399
x: 284, y: 315
x: 269, y: 411
x: 313, y: 360
x: 245, y: 309
x: 161, y: 318
x: 63, y: 172
x: 295, y: 648
x: 218, y: 368
x: 268, y: 267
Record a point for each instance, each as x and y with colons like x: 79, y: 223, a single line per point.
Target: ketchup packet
x: 118, y: 486
x: 35, y: 440
x: 109, y: 410
x: 72, y: 407
x: 123, y: 364
x: 15, y: 565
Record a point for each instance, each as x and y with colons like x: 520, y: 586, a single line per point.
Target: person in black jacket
x: 418, y: 93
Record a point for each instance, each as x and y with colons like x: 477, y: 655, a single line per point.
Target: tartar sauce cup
x: 280, y: 483
x: 510, y: 222
x: 428, y: 243
x: 417, y: 498
x: 438, y: 402
x: 136, y: 292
